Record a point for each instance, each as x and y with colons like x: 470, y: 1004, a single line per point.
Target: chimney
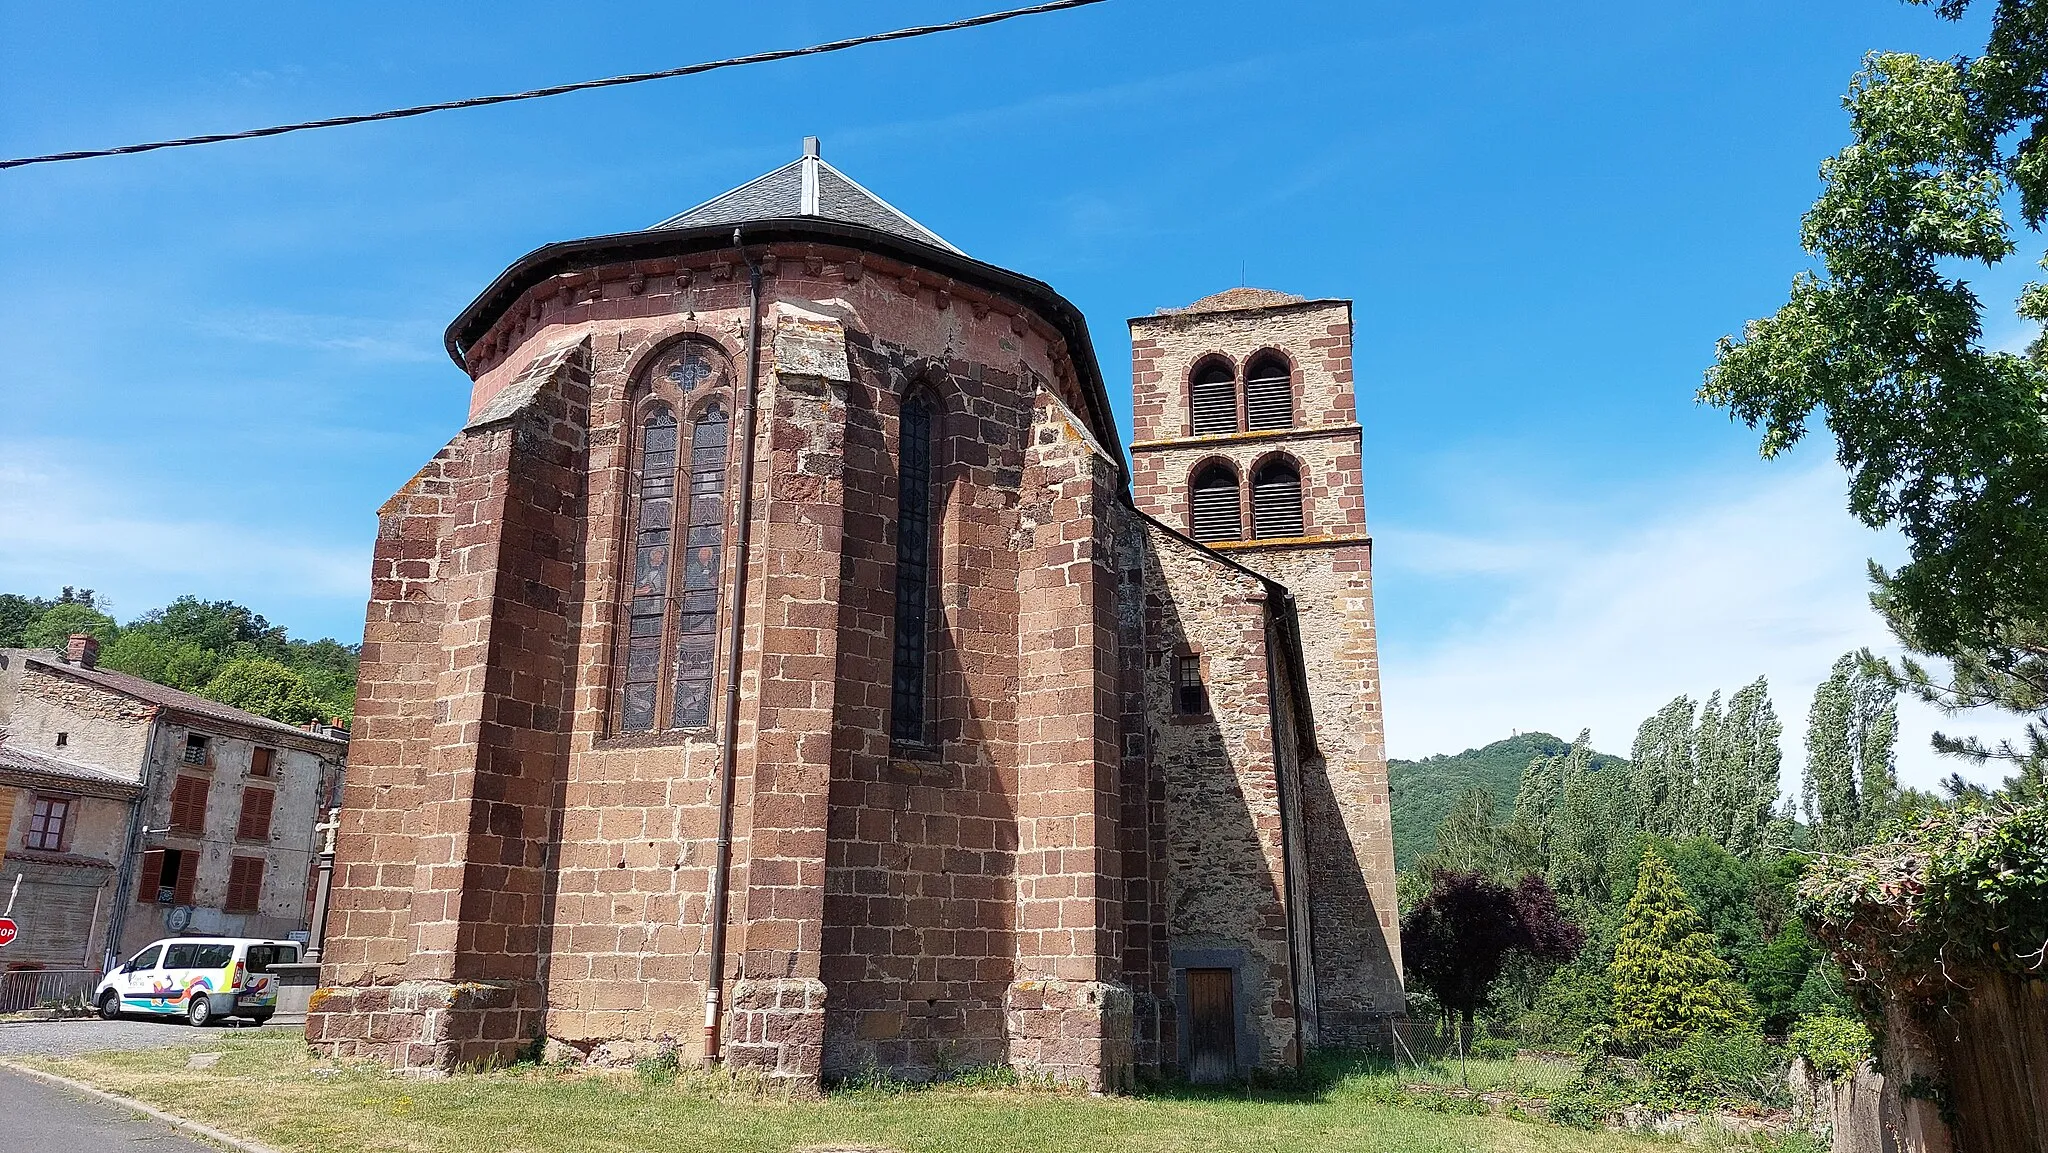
x: 83, y: 650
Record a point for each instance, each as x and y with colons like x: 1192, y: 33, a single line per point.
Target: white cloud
x: 382, y: 341
x: 1595, y: 625
x: 60, y: 524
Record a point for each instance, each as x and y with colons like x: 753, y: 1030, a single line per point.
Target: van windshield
x: 262, y: 957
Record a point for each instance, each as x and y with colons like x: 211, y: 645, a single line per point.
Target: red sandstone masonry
x: 1068, y: 1016
x: 508, y: 529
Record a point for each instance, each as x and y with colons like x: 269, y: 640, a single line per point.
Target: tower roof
x: 1237, y: 300
x: 806, y: 186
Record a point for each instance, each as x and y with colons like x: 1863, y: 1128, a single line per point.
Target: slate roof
x: 16, y: 761
x: 806, y: 186
x: 171, y: 698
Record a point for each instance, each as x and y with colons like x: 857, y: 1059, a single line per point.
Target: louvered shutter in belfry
x: 1214, y: 513
x: 1213, y: 397
x: 1268, y: 396
x: 1276, y: 502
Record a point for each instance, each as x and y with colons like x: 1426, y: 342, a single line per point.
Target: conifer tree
x: 1851, y: 783
x: 1668, y: 982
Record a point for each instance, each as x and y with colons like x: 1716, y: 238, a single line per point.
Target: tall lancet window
x: 913, y: 571
x: 676, y: 521
x: 647, y: 607
x: 703, y: 549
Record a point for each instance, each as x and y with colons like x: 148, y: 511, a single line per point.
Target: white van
x: 199, y: 977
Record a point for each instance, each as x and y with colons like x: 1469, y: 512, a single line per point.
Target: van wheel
x: 110, y: 1006
x: 199, y: 1010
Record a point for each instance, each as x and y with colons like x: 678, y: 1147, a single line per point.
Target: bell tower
x: 1246, y: 438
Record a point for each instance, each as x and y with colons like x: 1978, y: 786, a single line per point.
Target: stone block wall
x: 1227, y: 882
x: 506, y: 530
x: 919, y: 879
x: 1345, y: 848
x: 1346, y: 821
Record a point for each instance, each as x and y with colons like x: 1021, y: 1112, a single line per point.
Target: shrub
x: 1583, y: 1104
x: 1836, y: 1046
x: 1495, y: 1049
x: 1712, y: 1067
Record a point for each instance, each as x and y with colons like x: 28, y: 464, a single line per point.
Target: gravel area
x: 85, y: 1035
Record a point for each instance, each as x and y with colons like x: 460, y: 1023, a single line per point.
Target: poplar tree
x: 1851, y: 782
x: 1749, y: 795
x: 1661, y: 769
x: 1668, y: 981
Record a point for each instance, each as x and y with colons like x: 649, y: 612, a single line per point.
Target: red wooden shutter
x: 259, y: 762
x: 152, y: 876
x: 188, y: 805
x: 245, y: 884
x: 188, y: 871
x: 255, y: 822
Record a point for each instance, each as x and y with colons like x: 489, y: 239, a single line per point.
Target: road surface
x: 51, y: 1119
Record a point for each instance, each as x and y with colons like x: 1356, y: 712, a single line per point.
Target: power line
x: 559, y: 89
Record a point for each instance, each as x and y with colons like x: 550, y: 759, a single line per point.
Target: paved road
x: 49, y: 1119
x: 64, y: 1038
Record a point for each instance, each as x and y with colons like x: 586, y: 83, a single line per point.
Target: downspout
x: 728, y: 740
x: 117, y: 917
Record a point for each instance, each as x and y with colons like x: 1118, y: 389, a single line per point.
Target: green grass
x: 269, y: 1089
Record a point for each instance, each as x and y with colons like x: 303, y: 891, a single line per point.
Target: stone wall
x: 1227, y: 885
x: 1346, y: 849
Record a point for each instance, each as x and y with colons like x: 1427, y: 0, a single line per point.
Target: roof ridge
x: 796, y: 190
x: 905, y: 217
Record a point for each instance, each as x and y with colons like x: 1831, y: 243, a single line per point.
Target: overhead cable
x: 560, y: 89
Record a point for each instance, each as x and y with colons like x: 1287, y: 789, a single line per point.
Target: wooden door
x: 1212, y: 1026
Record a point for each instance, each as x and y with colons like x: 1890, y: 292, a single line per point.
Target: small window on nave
x: 1213, y: 507
x: 913, y: 571
x: 1276, y: 500
x: 678, y: 507
x: 1212, y: 399
x: 1268, y: 393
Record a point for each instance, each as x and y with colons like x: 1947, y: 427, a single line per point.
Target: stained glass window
x: 677, y: 520
x: 913, y: 572
x: 647, y: 606
x: 697, y: 618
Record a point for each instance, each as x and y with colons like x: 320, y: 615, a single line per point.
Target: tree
x: 17, y: 613
x: 56, y: 624
x: 1941, y: 437
x: 1471, y: 839
x: 1577, y: 816
x: 1457, y: 939
x: 1668, y: 982
x: 1753, y: 757
x: 266, y: 688
x: 1661, y: 771
x: 1851, y: 785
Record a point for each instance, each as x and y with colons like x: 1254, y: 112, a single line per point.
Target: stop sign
x: 7, y: 931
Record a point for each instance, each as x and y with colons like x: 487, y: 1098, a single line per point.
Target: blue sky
x: 221, y: 360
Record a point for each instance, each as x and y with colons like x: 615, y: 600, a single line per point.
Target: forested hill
x: 1425, y: 790
x: 217, y: 649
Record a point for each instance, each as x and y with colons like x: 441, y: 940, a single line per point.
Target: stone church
x: 784, y: 665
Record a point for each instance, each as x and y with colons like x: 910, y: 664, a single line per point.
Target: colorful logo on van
x: 166, y: 995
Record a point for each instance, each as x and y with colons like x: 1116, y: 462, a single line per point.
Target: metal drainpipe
x: 117, y: 917
x: 728, y: 742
